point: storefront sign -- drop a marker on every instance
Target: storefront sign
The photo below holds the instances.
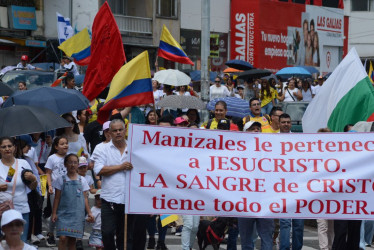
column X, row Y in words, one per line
column 22, row 17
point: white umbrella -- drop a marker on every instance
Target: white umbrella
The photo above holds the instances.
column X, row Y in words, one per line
column 172, row 77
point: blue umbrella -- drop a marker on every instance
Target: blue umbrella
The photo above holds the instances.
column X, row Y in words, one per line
column 239, row 64
column 235, row 106
column 196, row 75
column 311, row 69
column 56, row 99
column 289, row 72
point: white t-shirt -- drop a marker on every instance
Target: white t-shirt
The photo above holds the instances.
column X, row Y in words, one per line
column 74, row 147
column 218, row 92
column 32, row 154
column 4, row 246
column 96, row 213
column 157, row 94
column 45, row 153
column 307, row 95
column 56, row 164
column 28, row 66
column 288, row 97
column 89, row 179
column 59, row 183
column 72, row 68
column 20, row 194
column 316, row 89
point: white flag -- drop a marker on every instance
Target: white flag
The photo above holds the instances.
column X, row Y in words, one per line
column 64, row 29
column 345, row 98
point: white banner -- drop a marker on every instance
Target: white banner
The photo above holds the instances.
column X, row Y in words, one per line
column 212, row 172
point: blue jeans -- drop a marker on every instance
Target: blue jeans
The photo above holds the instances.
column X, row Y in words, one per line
column 233, row 233
column 161, row 231
column 366, row 233
column 189, row 230
column 297, row 234
column 25, row 227
column 267, row 108
column 265, row 228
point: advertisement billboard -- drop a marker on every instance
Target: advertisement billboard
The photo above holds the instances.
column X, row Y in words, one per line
column 274, row 35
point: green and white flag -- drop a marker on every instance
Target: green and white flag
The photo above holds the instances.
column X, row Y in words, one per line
column 346, row 97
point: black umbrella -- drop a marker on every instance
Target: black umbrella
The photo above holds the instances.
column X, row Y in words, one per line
column 253, row 74
column 20, row 120
column 57, row 99
column 239, row 64
column 5, row 90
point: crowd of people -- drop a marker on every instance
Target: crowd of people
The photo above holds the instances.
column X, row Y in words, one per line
column 88, row 157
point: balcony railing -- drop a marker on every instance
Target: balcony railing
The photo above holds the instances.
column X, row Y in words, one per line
column 142, row 25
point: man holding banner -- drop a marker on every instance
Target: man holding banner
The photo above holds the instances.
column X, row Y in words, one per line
column 112, row 164
column 285, row 224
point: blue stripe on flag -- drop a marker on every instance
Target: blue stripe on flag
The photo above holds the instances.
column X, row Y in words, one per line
column 82, row 54
column 171, row 49
column 136, row 87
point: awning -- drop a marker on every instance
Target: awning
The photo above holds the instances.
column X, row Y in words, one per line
column 6, row 41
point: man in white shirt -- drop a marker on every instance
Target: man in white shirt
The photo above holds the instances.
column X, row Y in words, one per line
column 24, row 65
column 68, row 64
column 112, row 164
column 317, row 88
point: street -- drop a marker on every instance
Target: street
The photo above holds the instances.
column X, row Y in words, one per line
column 174, row 242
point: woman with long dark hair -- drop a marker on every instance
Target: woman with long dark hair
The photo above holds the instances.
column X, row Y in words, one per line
column 76, row 141
column 267, row 96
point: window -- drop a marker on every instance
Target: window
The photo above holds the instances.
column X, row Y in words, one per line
column 166, row 8
column 118, row 6
column 362, row 5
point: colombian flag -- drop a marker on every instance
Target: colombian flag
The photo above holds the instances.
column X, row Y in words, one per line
column 167, row 219
column 371, row 73
column 171, row 49
column 131, row 86
column 78, row 47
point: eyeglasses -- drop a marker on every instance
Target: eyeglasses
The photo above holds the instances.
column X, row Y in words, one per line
column 256, row 104
column 6, row 146
column 217, row 81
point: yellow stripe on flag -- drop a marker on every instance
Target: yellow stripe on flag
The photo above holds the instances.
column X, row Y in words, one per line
column 169, row 219
column 168, row 38
column 76, row 43
column 371, row 72
column 136, row 69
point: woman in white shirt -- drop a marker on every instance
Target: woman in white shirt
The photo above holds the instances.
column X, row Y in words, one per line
column 10, row 173
column 290, row 92
column 218, row 90
column 77, row 143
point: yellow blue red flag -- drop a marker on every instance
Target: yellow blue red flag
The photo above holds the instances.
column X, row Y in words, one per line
column 371, row 73
column 78, row 47
column 168, row 218
column 131, row 86
column 170, row 49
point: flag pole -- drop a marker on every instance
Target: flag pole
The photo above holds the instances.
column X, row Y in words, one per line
column 125, row 231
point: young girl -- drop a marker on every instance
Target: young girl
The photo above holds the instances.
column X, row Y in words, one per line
column 54, row 169
column 82, row 171
column 68, row 207
column 95, row 239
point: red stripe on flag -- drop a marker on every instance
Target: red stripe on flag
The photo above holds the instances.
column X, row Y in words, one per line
column 128, row 101
column 174, row 58
column 371, row 118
